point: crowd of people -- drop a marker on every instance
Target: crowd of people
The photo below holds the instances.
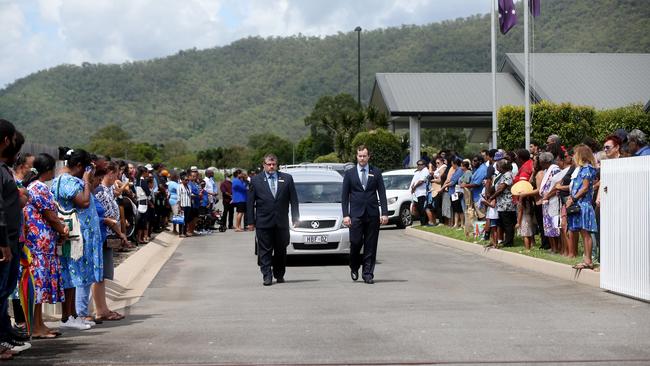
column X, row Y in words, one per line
column 549, row 190
column 68, row 221
column 63, row 223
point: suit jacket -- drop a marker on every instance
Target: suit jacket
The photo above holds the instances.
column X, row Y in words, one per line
column 265, row 211
column 356, row 201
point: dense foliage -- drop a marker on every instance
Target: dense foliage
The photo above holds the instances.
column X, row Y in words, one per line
column 384, row 147
column 572, row 123
column 223, row 95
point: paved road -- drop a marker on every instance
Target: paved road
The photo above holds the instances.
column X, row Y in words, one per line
column 430, row 304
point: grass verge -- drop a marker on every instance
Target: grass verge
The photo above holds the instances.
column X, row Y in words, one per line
column 518, row 247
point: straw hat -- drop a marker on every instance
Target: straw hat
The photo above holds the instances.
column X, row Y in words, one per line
column 521, row 187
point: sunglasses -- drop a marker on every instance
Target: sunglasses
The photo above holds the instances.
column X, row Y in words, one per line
column 607, row 147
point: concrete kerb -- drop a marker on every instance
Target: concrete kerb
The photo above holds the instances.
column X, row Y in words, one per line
column 559, row 270
column 133, row 276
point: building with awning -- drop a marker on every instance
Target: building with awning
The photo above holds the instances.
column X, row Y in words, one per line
column 464, row 100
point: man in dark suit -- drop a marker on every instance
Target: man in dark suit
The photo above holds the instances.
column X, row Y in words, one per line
column 361, row 186
column 270, row 194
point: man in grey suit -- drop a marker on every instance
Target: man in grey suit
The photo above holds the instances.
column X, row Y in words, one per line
column 363, row 187
column 270, row 194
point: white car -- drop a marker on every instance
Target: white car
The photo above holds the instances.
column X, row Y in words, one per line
column 320, row 229
column 399, row 196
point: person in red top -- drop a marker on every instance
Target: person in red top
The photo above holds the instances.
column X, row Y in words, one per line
column 525, row 164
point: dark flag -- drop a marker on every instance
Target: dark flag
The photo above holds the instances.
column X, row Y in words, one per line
column 535, row 7
column 507, row 15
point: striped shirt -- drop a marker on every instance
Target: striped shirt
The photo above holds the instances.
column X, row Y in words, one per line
column 184, row 198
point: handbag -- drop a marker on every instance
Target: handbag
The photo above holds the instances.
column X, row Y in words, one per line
column 178, row 220
column 142, row 199
column 113, row 242
column 574, row 209
column 73, row 247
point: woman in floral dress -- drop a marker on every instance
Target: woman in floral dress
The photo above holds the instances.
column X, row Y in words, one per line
column 42, row 230
column 72, row 190
column 582, row 192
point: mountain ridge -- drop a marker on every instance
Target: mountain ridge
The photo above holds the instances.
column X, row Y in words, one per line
column 220, row 96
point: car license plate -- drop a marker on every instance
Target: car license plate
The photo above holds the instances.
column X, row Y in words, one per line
column 315, row 239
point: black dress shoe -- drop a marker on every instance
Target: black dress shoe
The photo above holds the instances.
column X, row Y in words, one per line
column 268, row 281
column 280, row 280
column 369, row 280
column 354, row 274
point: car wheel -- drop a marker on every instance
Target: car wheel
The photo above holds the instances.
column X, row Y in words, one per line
column 405, row 218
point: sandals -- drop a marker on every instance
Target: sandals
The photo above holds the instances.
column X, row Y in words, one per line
column 583, row 265
column 112, row 316
column 46, row 336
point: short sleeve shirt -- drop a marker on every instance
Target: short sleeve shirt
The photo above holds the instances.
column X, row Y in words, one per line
column 504, row 200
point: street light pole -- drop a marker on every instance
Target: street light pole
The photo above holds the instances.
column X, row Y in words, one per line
column 358, row 30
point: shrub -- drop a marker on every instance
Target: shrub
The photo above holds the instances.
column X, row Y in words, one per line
column 629, row 118
column 572, row 123
column 384, row 147
column 329, row 158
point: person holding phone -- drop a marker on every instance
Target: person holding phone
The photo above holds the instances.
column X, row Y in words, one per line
column 72, row 190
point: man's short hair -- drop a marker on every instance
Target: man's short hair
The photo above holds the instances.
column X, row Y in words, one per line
column 637, row 136
column 271, row 157
column 492, row 152
column 7, row 129
column 363, row 147
column 535, row 143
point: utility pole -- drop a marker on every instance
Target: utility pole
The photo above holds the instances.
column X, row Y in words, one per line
column 358, row 30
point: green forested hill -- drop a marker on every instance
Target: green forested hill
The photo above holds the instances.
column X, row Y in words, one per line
column 220, row 96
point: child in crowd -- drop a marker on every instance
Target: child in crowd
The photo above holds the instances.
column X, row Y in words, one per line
column 492, row 216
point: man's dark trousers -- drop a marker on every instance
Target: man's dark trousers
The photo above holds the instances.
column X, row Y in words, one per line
column 8, row 280
column 364, row 233
column 422, row 212
column 272, row 251
column 228, row 213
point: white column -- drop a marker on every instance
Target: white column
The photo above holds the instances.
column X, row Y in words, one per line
column 526, row 77
column 495, row 125
column 414, row 132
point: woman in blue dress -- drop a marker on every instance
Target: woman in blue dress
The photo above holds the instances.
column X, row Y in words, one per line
column 72, row 190
column 582, row 192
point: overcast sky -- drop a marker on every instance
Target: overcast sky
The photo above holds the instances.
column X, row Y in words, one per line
column 38, row 34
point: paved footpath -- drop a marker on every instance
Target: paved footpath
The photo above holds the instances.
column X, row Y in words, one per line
column 430, row 304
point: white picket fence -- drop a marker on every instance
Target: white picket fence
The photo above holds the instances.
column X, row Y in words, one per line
column 625, row 226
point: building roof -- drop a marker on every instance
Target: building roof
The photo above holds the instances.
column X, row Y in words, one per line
column 428, row 94
column 601, row 80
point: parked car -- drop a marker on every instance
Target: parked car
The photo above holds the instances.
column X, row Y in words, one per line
column 320, row 229
column 399, row 196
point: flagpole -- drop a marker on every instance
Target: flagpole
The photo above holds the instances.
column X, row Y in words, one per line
column 494, row 75
column 526, row 76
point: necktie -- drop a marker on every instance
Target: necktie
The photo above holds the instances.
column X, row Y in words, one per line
column 273, row 186
column 364, row 178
